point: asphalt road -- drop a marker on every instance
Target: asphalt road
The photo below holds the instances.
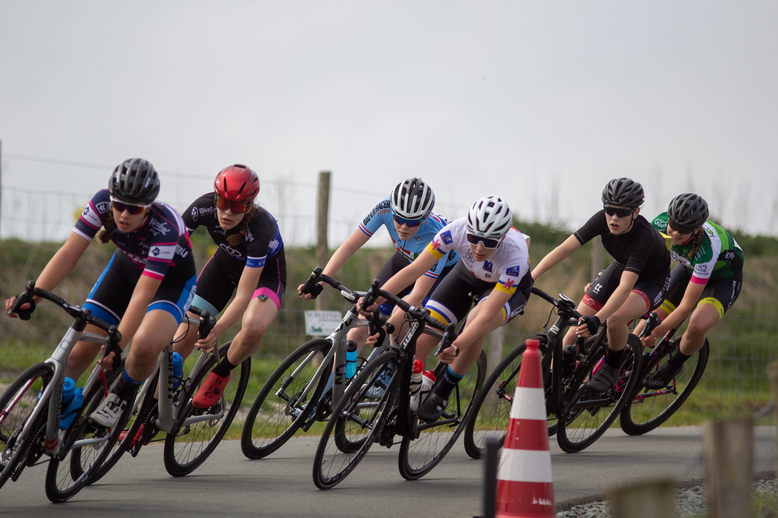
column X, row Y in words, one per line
column 229, row 485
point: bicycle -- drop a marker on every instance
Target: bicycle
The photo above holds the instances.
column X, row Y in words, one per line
column 281, row 407
column 647, row 408
column 376, row 406
column 30, row 410
column 576, row 415
column 192, row 434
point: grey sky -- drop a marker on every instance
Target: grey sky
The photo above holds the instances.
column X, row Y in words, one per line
column 520, row 99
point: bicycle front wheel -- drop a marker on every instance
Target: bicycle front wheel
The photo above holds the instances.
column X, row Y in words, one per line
column 419, row 455
column 647, row 408
column 279, row 409
column 356, row 420
column 588, row 415
column 188, row 445
column 16, row 406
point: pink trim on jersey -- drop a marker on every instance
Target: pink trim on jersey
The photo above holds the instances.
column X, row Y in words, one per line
column 697, row 280
column 270, row 294
column 85, row 221
column 153, row 275
column 592, row 303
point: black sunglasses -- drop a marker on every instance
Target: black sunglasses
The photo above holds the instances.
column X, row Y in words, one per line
column 613, row 211
column 132, row 208
column 488, row 243
column 679, row 228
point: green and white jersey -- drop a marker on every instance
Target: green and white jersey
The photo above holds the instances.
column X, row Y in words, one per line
column 718, row 256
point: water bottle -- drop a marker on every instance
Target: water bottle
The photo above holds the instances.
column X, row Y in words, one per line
column 178, row 370
column 351, row 358
column 416, row 378
column 427, row 380
column 72, row 399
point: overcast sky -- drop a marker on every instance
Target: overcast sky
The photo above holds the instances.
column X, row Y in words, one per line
column 540, row 102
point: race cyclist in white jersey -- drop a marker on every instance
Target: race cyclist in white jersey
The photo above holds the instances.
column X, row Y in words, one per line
column 494, row 264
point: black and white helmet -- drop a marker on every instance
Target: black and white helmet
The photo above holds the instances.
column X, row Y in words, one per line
column 490, row 218
column 134, row 181
column 623, row 192
column 688, row 210
column 412, row 199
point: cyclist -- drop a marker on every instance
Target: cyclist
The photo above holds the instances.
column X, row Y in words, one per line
column 632, row 285
column 147, row 286
column 407, row 215
column 249, row 261
column 495, row 265
column 704, row 284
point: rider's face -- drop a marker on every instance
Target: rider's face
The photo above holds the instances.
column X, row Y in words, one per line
column 228, row 220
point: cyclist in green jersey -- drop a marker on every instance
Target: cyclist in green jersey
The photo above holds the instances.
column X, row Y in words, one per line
column 704, row 284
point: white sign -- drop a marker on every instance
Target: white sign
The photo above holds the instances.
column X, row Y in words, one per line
column 321, row 323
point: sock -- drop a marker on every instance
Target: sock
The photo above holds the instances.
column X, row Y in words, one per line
column 126, row 386
column 677, row 359
column 447, row 384
column 224, row 368
column 613, row 358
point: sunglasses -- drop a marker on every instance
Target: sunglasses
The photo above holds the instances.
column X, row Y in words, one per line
column 488, row 243
column 410, row 222
column 132, row 208
column 613, row 211
column 679, row 228
column 237, row 207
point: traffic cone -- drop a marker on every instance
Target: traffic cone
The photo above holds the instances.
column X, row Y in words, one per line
column 524, row 486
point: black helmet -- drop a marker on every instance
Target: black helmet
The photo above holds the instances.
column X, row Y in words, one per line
column 623, row 192
column 412, row 199
column 688, row 211
column 134, row 181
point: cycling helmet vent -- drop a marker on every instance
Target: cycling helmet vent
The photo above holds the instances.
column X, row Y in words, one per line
column 490, row 217
column 134, row 181
column 412, row 199
column 688, row 210
column 623, row 192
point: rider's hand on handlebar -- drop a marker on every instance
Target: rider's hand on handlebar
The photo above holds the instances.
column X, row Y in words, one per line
column 207, row 344
column 317, row 289
column 366, row 312
column 448, row 354
column 588, row 326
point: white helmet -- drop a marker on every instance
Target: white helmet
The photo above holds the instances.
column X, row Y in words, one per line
column 412, row 199
column 490, row 218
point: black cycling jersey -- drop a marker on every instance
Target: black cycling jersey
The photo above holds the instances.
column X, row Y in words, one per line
column 262, row 238
column 641, row 250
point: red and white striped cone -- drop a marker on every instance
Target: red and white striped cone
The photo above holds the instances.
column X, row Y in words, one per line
column 524, row 485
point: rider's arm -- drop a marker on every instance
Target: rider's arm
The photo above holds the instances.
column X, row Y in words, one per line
column 555, row 256
column 619, row 296
column 63, row 262
column 684, row 309
column 243, row 295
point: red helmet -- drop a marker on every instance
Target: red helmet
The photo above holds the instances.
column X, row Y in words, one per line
column 237, row 183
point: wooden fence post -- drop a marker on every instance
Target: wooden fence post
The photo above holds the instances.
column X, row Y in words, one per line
column 322, row 217
column 772, row 375
column 653, row 499
column 729, row 466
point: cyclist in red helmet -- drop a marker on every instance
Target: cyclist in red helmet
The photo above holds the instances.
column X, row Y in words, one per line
column 249, row 261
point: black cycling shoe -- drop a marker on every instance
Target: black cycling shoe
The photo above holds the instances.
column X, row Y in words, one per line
column 431, row 410
column 662, row 377
column 604, row 379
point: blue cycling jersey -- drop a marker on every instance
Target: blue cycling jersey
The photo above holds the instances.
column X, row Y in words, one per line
column 382, row 215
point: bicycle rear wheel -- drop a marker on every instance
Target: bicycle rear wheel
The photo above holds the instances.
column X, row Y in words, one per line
column 356, row 420
column 419, row 455
column 647, row 408
column 588, row 415
column 279, row 409
column 187, row 446
column 16, row 406
column 68, row 473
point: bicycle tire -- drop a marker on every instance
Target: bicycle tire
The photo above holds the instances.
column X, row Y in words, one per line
column 492, row 408
column 419, row 455
column 647, row 409
column 135, row 417
column 187, row 447
column 276, row 414
column 16, row 406
column 67, row 475
column 585, row 421
column 335, row 459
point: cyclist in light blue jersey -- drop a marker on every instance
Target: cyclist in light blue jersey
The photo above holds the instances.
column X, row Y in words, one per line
column 407, row 214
